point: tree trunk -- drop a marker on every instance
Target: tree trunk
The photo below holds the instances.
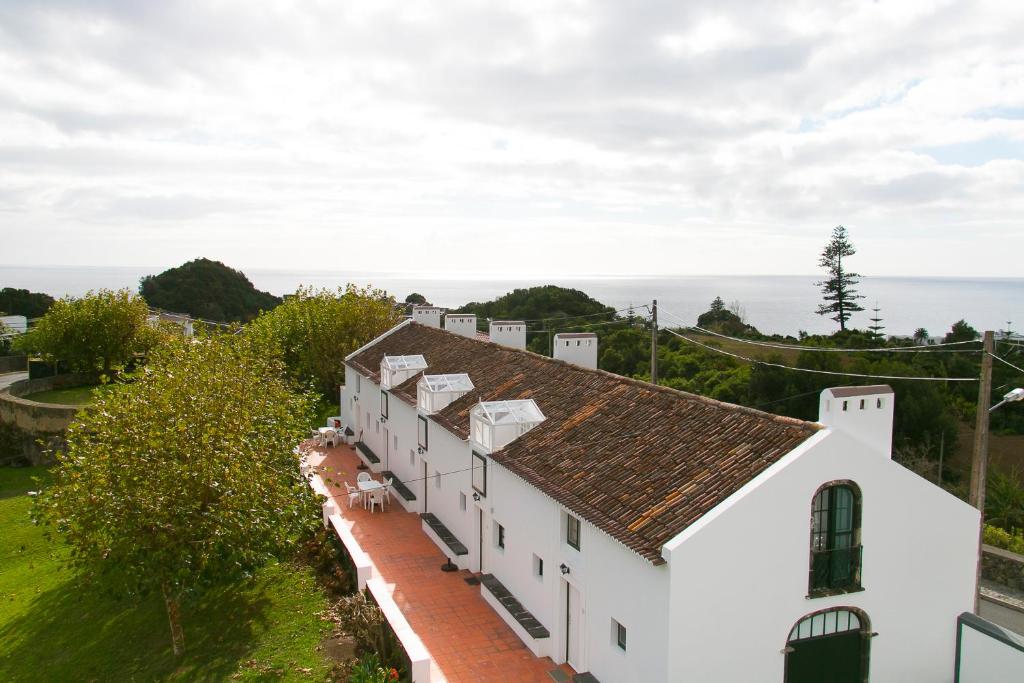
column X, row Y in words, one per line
column 174, row 616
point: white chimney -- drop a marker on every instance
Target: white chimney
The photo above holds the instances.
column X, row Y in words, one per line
column 509, row 333
column 578, row 348
column 864, row 413
column 427, row 315
column 461, row 323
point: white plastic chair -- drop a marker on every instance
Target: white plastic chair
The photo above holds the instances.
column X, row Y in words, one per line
column 331, row 436
column 353, row 494
column 363, row 476
column 317, row 438
column 376, row 497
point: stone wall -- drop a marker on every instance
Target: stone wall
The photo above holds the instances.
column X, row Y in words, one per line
column 13, row 364
column 27, row 423
column 1003, row 566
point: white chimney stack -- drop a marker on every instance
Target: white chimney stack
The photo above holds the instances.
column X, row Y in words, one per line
column 509, row 333
column 427, row 315
column 864, row 413
column 461, row 323
column 578, row 348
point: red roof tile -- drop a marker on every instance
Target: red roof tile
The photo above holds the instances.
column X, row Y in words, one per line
column 641, row 462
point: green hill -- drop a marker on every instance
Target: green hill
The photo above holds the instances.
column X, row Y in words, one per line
column 548, row 301
column 206, row 289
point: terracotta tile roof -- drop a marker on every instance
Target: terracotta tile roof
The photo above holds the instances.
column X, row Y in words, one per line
column 640, row 462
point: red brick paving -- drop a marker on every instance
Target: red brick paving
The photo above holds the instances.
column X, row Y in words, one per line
column 466, row 639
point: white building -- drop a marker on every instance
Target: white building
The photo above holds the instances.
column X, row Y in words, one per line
column 427, row 315
column 509, row 333
column 579, row 348
column 644, row 534
column 461, row 323
column 13, row 324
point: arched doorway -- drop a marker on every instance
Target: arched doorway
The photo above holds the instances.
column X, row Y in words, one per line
column 829, row 647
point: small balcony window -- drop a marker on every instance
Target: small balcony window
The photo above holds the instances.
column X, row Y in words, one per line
column 421, row 434
column 479, row 474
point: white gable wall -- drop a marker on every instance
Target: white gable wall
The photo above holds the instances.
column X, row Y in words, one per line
column 739, row 578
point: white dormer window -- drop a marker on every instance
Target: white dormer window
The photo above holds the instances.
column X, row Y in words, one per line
column 437, row 392
column 495, row 424
column 396, row 369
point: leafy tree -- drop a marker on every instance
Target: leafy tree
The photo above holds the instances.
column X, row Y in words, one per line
column 1004, row 500
column 313, row 331
column 838, row 289
column 99, row 330
column 724, row 320
column 416, row 299
column 184, row 478
column 921, row 335
column 207, row 289
column 23, row 302
column 961, row 331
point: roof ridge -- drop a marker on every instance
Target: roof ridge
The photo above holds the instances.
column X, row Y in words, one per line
column 782, row 419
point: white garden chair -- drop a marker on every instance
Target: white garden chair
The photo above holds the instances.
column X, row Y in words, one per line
column 376, row 497
column 353, row 494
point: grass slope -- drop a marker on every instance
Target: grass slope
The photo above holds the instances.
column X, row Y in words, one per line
column 72, row 396
column 54, row 628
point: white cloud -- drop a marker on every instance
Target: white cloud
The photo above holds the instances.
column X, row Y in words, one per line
column 588, row 137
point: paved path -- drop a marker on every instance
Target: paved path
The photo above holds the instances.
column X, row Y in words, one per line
column 1002, row 605
column 466, row 639
column 9, row 378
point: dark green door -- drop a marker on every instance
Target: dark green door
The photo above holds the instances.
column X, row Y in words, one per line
column 835, row 658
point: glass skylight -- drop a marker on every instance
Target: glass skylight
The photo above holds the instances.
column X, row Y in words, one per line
column 397, row 363
column 510, row 412
column 444, row 383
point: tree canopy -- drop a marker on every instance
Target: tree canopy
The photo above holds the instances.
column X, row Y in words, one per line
column 720, row 319
column 207, row 289
column 185, row 477
column 23, row 302
column 102, row 329
column 549, row 302
column 314, row 330
column 960, row 332
column 838, row 288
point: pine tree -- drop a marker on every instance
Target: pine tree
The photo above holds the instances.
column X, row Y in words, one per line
column 838, row 290
column 876, row 325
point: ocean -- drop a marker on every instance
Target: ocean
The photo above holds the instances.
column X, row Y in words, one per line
column 782, row 304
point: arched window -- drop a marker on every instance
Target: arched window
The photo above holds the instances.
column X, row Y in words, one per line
column 831, row 645
column 835, row 539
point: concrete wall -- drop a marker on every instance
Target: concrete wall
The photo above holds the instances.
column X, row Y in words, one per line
column 986, row 652
column 39, row 421
column 740, row 575
column 1003, row 566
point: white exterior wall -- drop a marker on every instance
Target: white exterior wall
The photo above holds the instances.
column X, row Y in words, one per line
column 427, row 315
column 868, row 418
column 739, row 576
column 614, row 582
column 578, row 351
column 464, row 325
column 508, row 333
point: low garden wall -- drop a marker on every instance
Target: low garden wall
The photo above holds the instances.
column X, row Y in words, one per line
column 13, row 364
column 1003, row 566
column 25, row 423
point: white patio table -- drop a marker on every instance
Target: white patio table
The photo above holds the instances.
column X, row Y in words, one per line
column 366, row 487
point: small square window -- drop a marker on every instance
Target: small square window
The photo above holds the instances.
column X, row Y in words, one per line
column 437, row 479
column 862, row 404
column 462, row 501
column 479, row 474
column 879, row 403
column 384, row 404
column 538, row 567
column 412, row 457
column 845, row 403
column 619, row 633
column 572, row 531
column 500, row 536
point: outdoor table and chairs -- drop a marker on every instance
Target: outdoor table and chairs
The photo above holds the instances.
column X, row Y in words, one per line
column 374, row 493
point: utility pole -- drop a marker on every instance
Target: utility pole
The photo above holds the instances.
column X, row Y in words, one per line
column 654, row 342
column 979, row 465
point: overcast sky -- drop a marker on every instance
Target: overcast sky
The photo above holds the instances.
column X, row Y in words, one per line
column 587, row 137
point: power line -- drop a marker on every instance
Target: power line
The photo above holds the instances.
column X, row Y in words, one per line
column 800, row 347
column 1006, row 362
column 821, row 372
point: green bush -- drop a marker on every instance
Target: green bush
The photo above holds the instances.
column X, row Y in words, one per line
column 1012, row 540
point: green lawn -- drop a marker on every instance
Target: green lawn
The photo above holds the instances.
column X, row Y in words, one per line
column 74, row 396
column 52, row 628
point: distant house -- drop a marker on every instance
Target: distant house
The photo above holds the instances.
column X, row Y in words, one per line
column 183, row 321
column 13, row 324
column 644, row 534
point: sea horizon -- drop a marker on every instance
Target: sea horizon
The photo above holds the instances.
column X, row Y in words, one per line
column 782, row 303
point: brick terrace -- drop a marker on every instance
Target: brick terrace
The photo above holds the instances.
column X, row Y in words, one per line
column 466, row 639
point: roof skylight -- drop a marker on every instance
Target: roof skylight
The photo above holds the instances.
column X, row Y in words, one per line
column 510, row 412
column 404, row 362
column 445, row 383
